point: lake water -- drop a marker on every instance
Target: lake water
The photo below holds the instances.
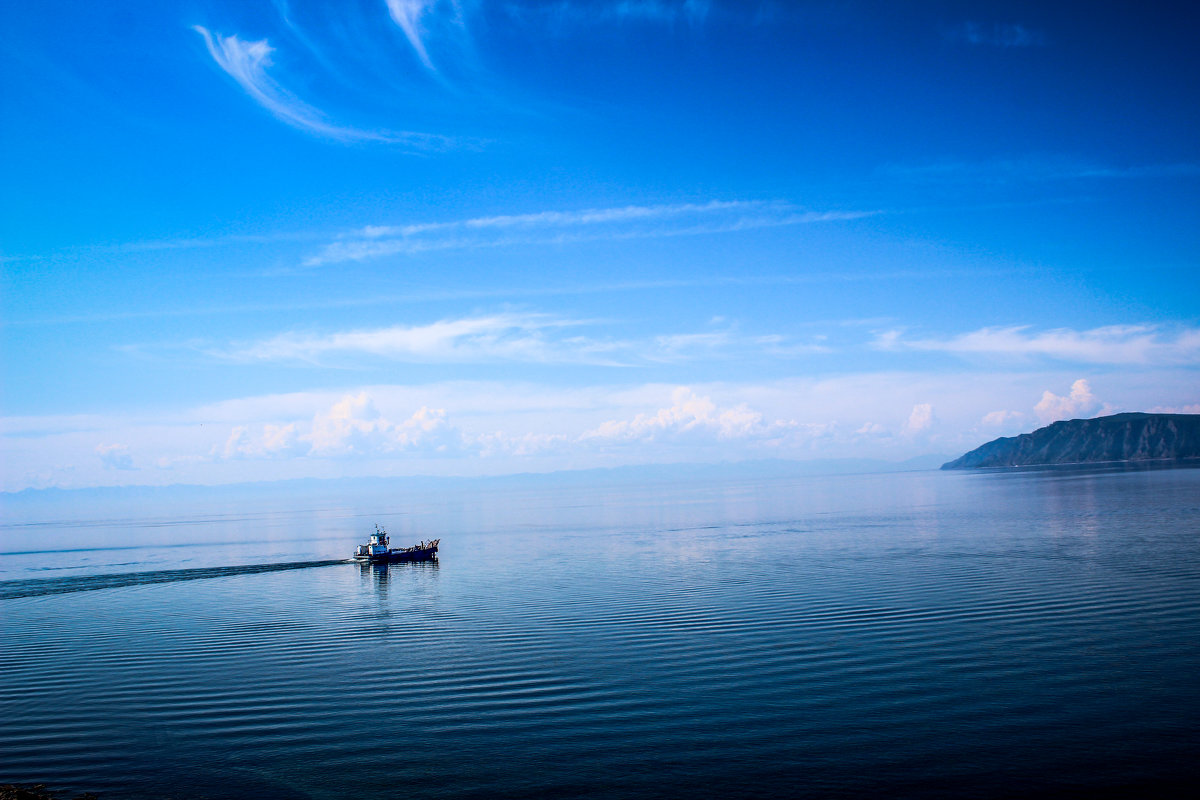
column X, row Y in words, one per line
column 920, row 634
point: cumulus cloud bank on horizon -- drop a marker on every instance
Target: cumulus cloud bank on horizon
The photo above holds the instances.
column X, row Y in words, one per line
column 354, row 426
column 484, row 428
column 691, row 416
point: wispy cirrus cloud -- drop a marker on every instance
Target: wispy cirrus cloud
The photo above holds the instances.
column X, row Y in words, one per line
column 1112, row 344
column 549, row 227
column 523, row 337
column 1033, row 169
column 442, row 23
column 519, row 337
column 407, row 15
column 692, row 11
column 576, row 12
column 671, row 347
column 994, row 34
column 677, row 347
column 247, row 62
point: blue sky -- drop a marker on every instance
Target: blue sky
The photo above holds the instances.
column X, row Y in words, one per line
column 248, row 241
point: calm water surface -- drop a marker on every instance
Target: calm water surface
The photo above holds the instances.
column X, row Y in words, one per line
column 923, row 634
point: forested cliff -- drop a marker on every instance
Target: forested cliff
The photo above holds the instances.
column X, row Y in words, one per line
column 1120, row 437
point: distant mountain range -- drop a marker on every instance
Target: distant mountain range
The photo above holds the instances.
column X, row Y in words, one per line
column 323, row 492
column 1120, row 437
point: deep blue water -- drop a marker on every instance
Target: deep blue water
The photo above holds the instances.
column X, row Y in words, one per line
column 921, row 634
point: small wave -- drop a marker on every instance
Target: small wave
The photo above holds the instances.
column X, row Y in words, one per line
column 36, row 587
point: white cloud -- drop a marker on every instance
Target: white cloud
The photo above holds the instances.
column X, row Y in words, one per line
column 497, row 427
column 1190, row 408
column 999, row 418
column 175, row 462
column 871, row 429
column 273, row 441
column 691, row 416
column 500, row 444
column 1079, row 403
column 239, row 443
column 920, row 420
column 659, row 12
column 727, row 342
column 694, row 11
column 505, row 336
column 889, row 340
column 407, row 15
column 682, row 345
column 1033, row 169
column 247, row 62
column 1113, row 344
column 115, row 456
column 524, row 337
column 556, row 227
column 353, row 426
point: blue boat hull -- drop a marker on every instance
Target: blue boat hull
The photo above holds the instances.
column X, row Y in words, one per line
column 394, row 556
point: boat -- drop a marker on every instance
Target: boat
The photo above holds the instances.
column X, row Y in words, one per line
column 377, row 551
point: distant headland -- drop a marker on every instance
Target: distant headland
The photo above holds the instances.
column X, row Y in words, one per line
column 1119, row 437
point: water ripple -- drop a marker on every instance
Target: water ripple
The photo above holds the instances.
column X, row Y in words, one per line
column 85, row 583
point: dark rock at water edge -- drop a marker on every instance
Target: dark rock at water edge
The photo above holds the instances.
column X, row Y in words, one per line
column 1120, row 437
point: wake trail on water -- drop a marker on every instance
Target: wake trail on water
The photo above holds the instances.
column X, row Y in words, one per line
column 36, row 587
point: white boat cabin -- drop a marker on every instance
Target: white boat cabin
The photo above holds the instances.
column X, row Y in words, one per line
column 377, row 545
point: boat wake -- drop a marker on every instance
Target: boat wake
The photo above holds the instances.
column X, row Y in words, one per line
column 36, row 587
